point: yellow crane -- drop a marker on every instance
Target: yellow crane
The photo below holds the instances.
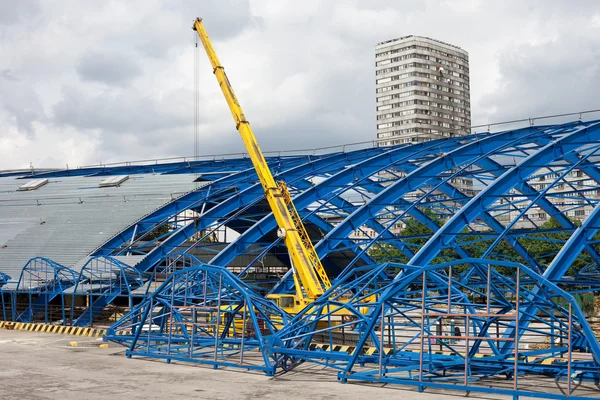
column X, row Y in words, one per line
column 310, row 278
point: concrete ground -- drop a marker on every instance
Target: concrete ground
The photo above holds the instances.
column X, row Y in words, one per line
column 44, row 366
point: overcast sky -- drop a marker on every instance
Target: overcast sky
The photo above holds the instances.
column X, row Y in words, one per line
column 84, row 82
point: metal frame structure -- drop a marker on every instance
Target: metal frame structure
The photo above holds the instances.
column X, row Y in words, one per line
column 42, row 281
column 526, row 196
column 425, row 329
column 4, row 279
column 203, row 314
column 100, row 281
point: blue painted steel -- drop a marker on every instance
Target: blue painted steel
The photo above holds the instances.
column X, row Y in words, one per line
column 100, row 281
column 428, row 207
column 41, row 282
column 248, row 192
column 203, row 314
column 4, row 279
column 322, row 191
column 579, row 137
column 399, row 330
column 472, row 150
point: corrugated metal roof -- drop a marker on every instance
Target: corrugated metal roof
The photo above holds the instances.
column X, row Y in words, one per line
column 70, row 217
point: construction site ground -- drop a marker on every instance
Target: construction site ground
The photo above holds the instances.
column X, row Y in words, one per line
column 46, row 366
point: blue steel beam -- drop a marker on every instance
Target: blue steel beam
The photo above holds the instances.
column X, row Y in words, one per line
column 323, row 191
column 250, row 195
column 538, row 198
column 191, row 200
column 187, row 167
column 560, row 265
column 410, row 183
column 556, row 149
column 468, row 152
column 456, row 195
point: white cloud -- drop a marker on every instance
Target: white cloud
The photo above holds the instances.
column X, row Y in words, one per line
column 82, row 82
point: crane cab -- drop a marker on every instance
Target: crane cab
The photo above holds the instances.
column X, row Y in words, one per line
column 287, row 302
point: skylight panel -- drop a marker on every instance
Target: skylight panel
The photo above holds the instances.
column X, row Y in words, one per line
column 33, row 185
column 114, row 181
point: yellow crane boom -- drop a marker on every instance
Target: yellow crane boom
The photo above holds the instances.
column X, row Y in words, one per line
column 307, row 268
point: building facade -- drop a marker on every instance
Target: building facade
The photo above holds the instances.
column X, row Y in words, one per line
column 422, row 90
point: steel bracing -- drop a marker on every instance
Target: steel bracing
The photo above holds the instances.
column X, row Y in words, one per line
column 415, row 325
column 42, row 281
column 100, row 281
column 4, row 279
column 203, row 314
column 521, row 204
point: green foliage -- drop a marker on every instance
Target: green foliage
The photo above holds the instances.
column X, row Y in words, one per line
column 414, row 235
column 159, row 231
column 542, row 246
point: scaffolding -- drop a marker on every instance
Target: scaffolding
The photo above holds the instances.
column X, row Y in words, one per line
column 202, row 314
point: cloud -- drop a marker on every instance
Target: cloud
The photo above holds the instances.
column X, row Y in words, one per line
column 110, row 81
column 20, row 101
column 12, row 12
column 547, row 78
column 108, row 67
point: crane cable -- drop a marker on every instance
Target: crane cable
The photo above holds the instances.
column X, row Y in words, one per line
column 196, row 104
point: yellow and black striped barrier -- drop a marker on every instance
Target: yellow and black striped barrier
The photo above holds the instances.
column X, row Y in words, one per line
column 56, row 329
column 372, row 350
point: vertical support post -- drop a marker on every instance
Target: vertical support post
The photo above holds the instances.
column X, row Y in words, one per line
column 194, row 316
column 516, row 341
column 331, row 334
column 187, row 285
column 467, row 334
column 13, row 304
column 149, row 325
column 205, row 279
column 440, row 332
column 72, row 313
column 381, row 339
column 497, row 334
column 218, row 326
column 570, row 351
column 449, row 289
column 391, row 326
column 489, row 273
column 243, row 334
column 170, row 334
column 46, row 320
column 424, row 284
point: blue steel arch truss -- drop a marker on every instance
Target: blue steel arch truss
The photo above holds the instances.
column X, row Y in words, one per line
column 203, row 314
column 41, row 282
column 356, row 203
column 422, row 328
column 493, row 196
column 100, row 281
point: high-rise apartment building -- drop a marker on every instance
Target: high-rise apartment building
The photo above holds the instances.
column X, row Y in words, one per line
column 422, row 89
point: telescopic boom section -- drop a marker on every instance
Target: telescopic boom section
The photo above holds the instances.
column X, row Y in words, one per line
column 305, row 262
